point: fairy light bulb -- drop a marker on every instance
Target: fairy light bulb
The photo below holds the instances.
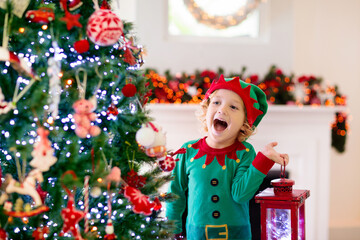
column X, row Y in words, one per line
column 69, row 81
column 50, row 120
column 21, row 30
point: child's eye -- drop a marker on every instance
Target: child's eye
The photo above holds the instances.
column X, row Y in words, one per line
column 216, row 102
column 234, row 107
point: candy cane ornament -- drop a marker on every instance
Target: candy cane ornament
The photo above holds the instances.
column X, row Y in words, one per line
column 86, row 203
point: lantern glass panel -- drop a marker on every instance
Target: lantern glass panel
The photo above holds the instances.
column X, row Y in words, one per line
column 278, row 224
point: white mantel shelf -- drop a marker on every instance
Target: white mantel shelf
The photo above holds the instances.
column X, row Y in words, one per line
column 302, row 132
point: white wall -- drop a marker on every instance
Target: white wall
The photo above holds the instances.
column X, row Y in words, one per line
column 320, row 37
column 327, row 41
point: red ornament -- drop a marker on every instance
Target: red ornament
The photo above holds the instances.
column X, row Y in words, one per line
column 112, row 110
column 129, row 90
column 82, row 46
column 71, row 218
column 110, row 237
column 158, row 205
column 43, row 15
column 104, row 27
column 105, row 5
column 41, row 193
column 3, row 234
column 134, row 180
column 109, row 229
column 74, row 4
column 129, row 57
column 141, row 203
column 167, row 164
column 38, row 234
column 71, row 20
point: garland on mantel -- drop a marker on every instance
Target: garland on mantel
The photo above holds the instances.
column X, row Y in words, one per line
column 279, row 88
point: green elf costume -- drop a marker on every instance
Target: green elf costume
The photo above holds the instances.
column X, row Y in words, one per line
column 220, row 182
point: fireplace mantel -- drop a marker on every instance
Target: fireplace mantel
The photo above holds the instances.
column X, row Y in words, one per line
column 302, row 132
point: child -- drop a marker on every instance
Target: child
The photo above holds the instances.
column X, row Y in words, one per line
column 222, row 172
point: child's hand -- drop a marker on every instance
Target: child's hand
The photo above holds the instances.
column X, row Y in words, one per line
column 280, row 158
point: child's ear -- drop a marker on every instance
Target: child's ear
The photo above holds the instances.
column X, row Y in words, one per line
column 243, row 128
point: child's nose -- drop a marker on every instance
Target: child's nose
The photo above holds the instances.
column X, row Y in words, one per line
column 222, row 110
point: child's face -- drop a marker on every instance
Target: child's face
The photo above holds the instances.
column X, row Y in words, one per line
column 225, row 117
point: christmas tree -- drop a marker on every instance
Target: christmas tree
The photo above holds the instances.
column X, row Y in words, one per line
column 72, row 119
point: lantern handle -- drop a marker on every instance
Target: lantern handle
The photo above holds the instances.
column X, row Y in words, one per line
column 282, row 169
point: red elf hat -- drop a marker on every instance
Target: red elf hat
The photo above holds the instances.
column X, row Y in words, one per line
column 253, row 97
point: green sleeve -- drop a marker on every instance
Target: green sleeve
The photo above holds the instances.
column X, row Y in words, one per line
column 247, row 178
column 178, row 186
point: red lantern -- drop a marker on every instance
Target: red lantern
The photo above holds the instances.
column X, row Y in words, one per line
column 282, row 211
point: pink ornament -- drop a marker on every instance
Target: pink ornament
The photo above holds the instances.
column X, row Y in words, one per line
column 115, row 175
column 104, row 27
column 83, row 116
column 44, row 144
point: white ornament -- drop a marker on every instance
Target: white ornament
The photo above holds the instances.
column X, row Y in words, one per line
column 104, row 27
column 109, row 229
column 43, row 160
column 95, row 192
column 43, row 153
column 145, row 136
column 54, row 68
column 152, row 139
column 19, row 64
column 27, row 187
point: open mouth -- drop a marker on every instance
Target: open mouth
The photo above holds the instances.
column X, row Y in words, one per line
column 220, row 125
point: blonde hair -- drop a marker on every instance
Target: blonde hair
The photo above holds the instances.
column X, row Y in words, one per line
column 244, row 133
